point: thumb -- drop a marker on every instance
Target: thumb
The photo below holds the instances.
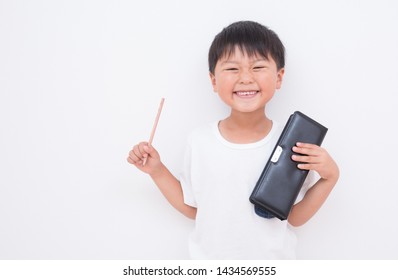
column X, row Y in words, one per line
column 151, row 151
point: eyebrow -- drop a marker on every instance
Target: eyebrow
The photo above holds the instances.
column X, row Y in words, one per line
column 235, row 62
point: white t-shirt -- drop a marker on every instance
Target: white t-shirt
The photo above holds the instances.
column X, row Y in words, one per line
column 218, row 177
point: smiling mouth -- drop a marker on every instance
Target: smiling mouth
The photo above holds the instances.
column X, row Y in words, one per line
column 246, row 94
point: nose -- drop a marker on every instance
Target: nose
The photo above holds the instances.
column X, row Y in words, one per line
column 245, row 77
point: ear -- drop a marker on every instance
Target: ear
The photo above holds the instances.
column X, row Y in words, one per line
column 213, row 81
column 279, row 78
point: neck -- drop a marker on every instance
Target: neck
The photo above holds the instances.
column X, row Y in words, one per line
column 248, row 121
column 245, row 127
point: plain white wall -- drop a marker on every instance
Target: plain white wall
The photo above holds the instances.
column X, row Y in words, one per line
column 80, row 83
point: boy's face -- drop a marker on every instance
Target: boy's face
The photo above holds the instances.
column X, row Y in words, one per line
column 244, row 83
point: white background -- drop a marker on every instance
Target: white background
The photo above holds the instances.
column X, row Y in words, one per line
column 80, row 83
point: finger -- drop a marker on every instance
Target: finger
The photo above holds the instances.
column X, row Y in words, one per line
column 312, row 150
column 135, row 154
column 306, row 166
column 305, row 159
column 134, row 162
column 139, row 150
column 133, row 158
column 151, row 151
column 306, row 145
column 146, row 149
column 143, row 147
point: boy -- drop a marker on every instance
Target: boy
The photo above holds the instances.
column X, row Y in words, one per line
column 224, row 159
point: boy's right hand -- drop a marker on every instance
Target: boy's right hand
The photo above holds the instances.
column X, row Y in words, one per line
column 140, row 152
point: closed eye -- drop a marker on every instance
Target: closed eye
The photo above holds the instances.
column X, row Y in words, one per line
column 231, row 69
column 259, row 67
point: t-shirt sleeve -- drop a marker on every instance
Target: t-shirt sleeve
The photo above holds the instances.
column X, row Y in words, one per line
column 308, row 183
column 185, row 177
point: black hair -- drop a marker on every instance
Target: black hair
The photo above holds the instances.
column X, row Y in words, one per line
column 252, row 38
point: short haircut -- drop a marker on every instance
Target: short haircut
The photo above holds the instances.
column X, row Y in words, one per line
column 252, row 38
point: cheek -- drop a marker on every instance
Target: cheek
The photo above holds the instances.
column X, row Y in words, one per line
column 224, row 82
column 268, row 82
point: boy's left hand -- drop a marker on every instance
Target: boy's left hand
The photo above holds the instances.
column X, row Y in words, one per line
column 314, row 157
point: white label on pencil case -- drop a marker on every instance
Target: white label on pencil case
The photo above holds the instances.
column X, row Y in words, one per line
column 277, row 154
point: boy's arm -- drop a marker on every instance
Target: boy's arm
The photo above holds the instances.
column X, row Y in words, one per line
column 317, row 159
column 311, row 203
column 166, row 182
column 172, row 190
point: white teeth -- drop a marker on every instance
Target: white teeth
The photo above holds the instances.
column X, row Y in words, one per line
column 245, row 93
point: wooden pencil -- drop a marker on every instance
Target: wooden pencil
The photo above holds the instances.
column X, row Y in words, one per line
column 154, row 127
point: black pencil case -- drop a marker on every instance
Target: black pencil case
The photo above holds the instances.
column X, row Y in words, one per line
column 281, row 180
